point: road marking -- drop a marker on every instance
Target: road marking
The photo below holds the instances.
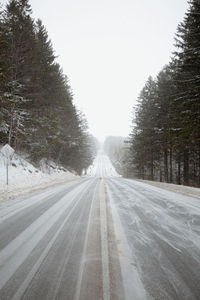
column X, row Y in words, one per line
column 12, row 207
column 15, row 253
column 132, row 283
column 18, row 295
column 81, row 270
column 104, row 243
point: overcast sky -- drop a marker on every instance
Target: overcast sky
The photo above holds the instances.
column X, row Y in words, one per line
column 108, row 48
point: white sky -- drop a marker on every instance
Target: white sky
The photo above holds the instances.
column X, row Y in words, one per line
column 108, row 48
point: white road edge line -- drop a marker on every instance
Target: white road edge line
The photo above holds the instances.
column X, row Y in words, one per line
column 132, row 283
column 15, row 253
column 15, row 206
column 18, row 295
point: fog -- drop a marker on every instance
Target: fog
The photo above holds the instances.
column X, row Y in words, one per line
column 108, row 49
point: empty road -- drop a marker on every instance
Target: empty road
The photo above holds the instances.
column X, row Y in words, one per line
column 100, row 237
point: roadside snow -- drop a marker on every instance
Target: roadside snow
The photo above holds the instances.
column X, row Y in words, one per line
column 24, row 177
column 181, row 189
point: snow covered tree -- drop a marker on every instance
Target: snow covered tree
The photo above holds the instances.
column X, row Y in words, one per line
column 37, row 113
column 3, row 79
column 19, row 36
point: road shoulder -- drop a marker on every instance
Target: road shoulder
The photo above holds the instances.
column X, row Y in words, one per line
column 180, row 189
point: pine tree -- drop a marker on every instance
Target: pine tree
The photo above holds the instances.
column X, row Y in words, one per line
column 165, row 117
column 143, row 139
column 3, row 81
column 19, row 31
column 187, row 77
column 167, row 121
column 37, row 112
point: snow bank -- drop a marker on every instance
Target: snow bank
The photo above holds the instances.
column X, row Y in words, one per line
column 181, row 189
column 24, row 177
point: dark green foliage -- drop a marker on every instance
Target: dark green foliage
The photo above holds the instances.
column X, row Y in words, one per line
column 37, row 113
column 165, row 141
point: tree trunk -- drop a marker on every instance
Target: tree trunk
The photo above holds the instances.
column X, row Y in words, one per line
column 10, row 134
column 142, row 173
column 199, row 168
column 170, row 166
column 160, row 169
column 160, row 174
column 152, row 169
column 186, row 167
column 166, row 165
column 179, row 169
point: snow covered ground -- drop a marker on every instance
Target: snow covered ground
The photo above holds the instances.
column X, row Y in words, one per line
column 24, row 177
column 102, row 167
column 157, row 232
column 181, row 189
column 162, row 231
column 122, row 238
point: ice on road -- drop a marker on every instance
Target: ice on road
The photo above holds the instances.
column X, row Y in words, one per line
column 100, row 237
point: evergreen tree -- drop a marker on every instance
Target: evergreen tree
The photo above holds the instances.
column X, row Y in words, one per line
column 143, row 142
column 37, row 112
column 3, row 80
column 187, row 78
column 19, row 31
column 164, row 114
column 165, row 141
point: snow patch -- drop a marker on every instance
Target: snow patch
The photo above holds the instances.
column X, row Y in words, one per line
column 7, row 151
column 24, row 177
column 181, row 189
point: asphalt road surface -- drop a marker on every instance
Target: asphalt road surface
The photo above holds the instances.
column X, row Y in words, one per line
column 100, row 237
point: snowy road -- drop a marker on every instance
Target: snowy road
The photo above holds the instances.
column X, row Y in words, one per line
column 162, row 230
column 101, row 237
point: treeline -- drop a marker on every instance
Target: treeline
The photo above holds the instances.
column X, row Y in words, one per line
column 37, row 114
column 165, row 139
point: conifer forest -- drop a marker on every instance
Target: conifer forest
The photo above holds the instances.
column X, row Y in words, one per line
column 165, row 137
column 100, row 168
column 37, row 114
